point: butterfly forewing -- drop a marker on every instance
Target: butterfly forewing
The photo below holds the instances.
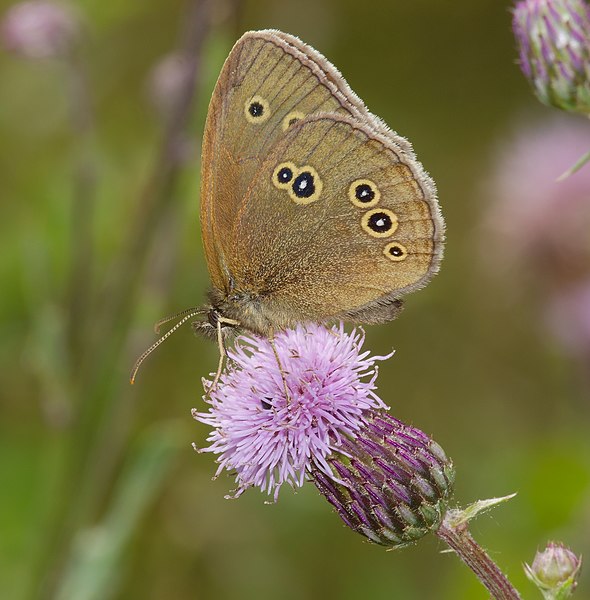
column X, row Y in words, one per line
column 265, row 86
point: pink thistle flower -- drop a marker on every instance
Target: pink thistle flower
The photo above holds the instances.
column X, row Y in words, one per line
column 267, row 439
column 39, row 29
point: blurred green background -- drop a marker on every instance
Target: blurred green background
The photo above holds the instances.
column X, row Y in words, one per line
column 102, row 495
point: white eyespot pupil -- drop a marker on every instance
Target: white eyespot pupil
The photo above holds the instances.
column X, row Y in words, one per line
column 285, row 175
column 364, row 193
column 380, row 222
column 256, row 109
column 303, row 186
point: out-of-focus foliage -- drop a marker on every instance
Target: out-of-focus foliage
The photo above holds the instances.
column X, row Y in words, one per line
column 475, row 365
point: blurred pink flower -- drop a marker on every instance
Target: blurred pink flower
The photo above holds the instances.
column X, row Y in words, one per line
column 39, row 29
column 568, row 317
column 167, row 81
column 538, row 223
column 538, row 228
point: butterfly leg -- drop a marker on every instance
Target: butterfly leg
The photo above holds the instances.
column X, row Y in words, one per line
column 222, row 352
column 281, row 370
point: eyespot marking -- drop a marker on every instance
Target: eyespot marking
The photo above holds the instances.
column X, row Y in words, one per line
column 303, row 186
column 395, row 251
column 283, row 175
column 364, row 193
column 379, row 222
column 306, row 186
column 291, row 118
column 257, row 109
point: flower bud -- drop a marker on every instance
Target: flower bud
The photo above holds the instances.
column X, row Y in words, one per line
column 555, row 571
column 390, row 482
column 553, row 38
column 39, row 29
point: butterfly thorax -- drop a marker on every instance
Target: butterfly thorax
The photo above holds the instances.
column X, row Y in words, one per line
column 246, row 311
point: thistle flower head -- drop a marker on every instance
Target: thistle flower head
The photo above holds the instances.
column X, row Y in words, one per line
column 268, row 439
column 39, row 29
column 392, row 482
column 555, row 571
column 553, row 38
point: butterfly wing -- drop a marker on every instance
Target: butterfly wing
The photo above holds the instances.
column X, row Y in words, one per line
column 268, row 82
column 338, row 221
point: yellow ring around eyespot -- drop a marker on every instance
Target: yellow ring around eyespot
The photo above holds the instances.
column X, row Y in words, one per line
column 352, row 193
column 295, row 115
column 387, row 251
column 379, row 234
column 275, row 175
column 317, row 182
column 265, row 109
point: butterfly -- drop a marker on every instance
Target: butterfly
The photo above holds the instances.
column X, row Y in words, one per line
column 312, row 209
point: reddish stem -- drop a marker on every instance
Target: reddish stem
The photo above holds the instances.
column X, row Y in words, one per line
column 458, row 538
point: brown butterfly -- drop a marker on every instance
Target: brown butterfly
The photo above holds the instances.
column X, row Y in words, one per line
column 312, row 209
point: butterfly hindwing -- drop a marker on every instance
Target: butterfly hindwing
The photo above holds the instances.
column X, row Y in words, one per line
column 369, row 230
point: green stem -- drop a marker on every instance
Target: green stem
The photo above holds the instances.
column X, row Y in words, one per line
column 80, row 286
column 98, row 396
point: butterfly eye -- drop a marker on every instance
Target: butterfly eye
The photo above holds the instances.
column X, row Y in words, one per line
column 283, row 175
column 364, row 193
column 306, row 187
column 395, row 251
column 257, row 109
column 291, row 118
column 379, row 222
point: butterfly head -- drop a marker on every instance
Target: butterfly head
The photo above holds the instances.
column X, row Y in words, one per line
column 215, row 322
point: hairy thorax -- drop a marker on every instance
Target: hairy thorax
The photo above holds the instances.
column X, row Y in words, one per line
column 246, row 311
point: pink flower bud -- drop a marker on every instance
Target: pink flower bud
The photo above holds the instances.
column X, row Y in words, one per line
column 555, row 570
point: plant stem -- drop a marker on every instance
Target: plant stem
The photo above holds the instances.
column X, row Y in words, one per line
column 98, row 398
column 80, row 283
column 458, row 538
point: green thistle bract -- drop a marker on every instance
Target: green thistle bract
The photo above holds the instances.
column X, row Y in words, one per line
column 390, row 483
column 553, row 38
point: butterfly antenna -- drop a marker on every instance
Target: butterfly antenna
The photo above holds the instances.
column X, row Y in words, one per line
column 192, row 311
column 188, row 314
